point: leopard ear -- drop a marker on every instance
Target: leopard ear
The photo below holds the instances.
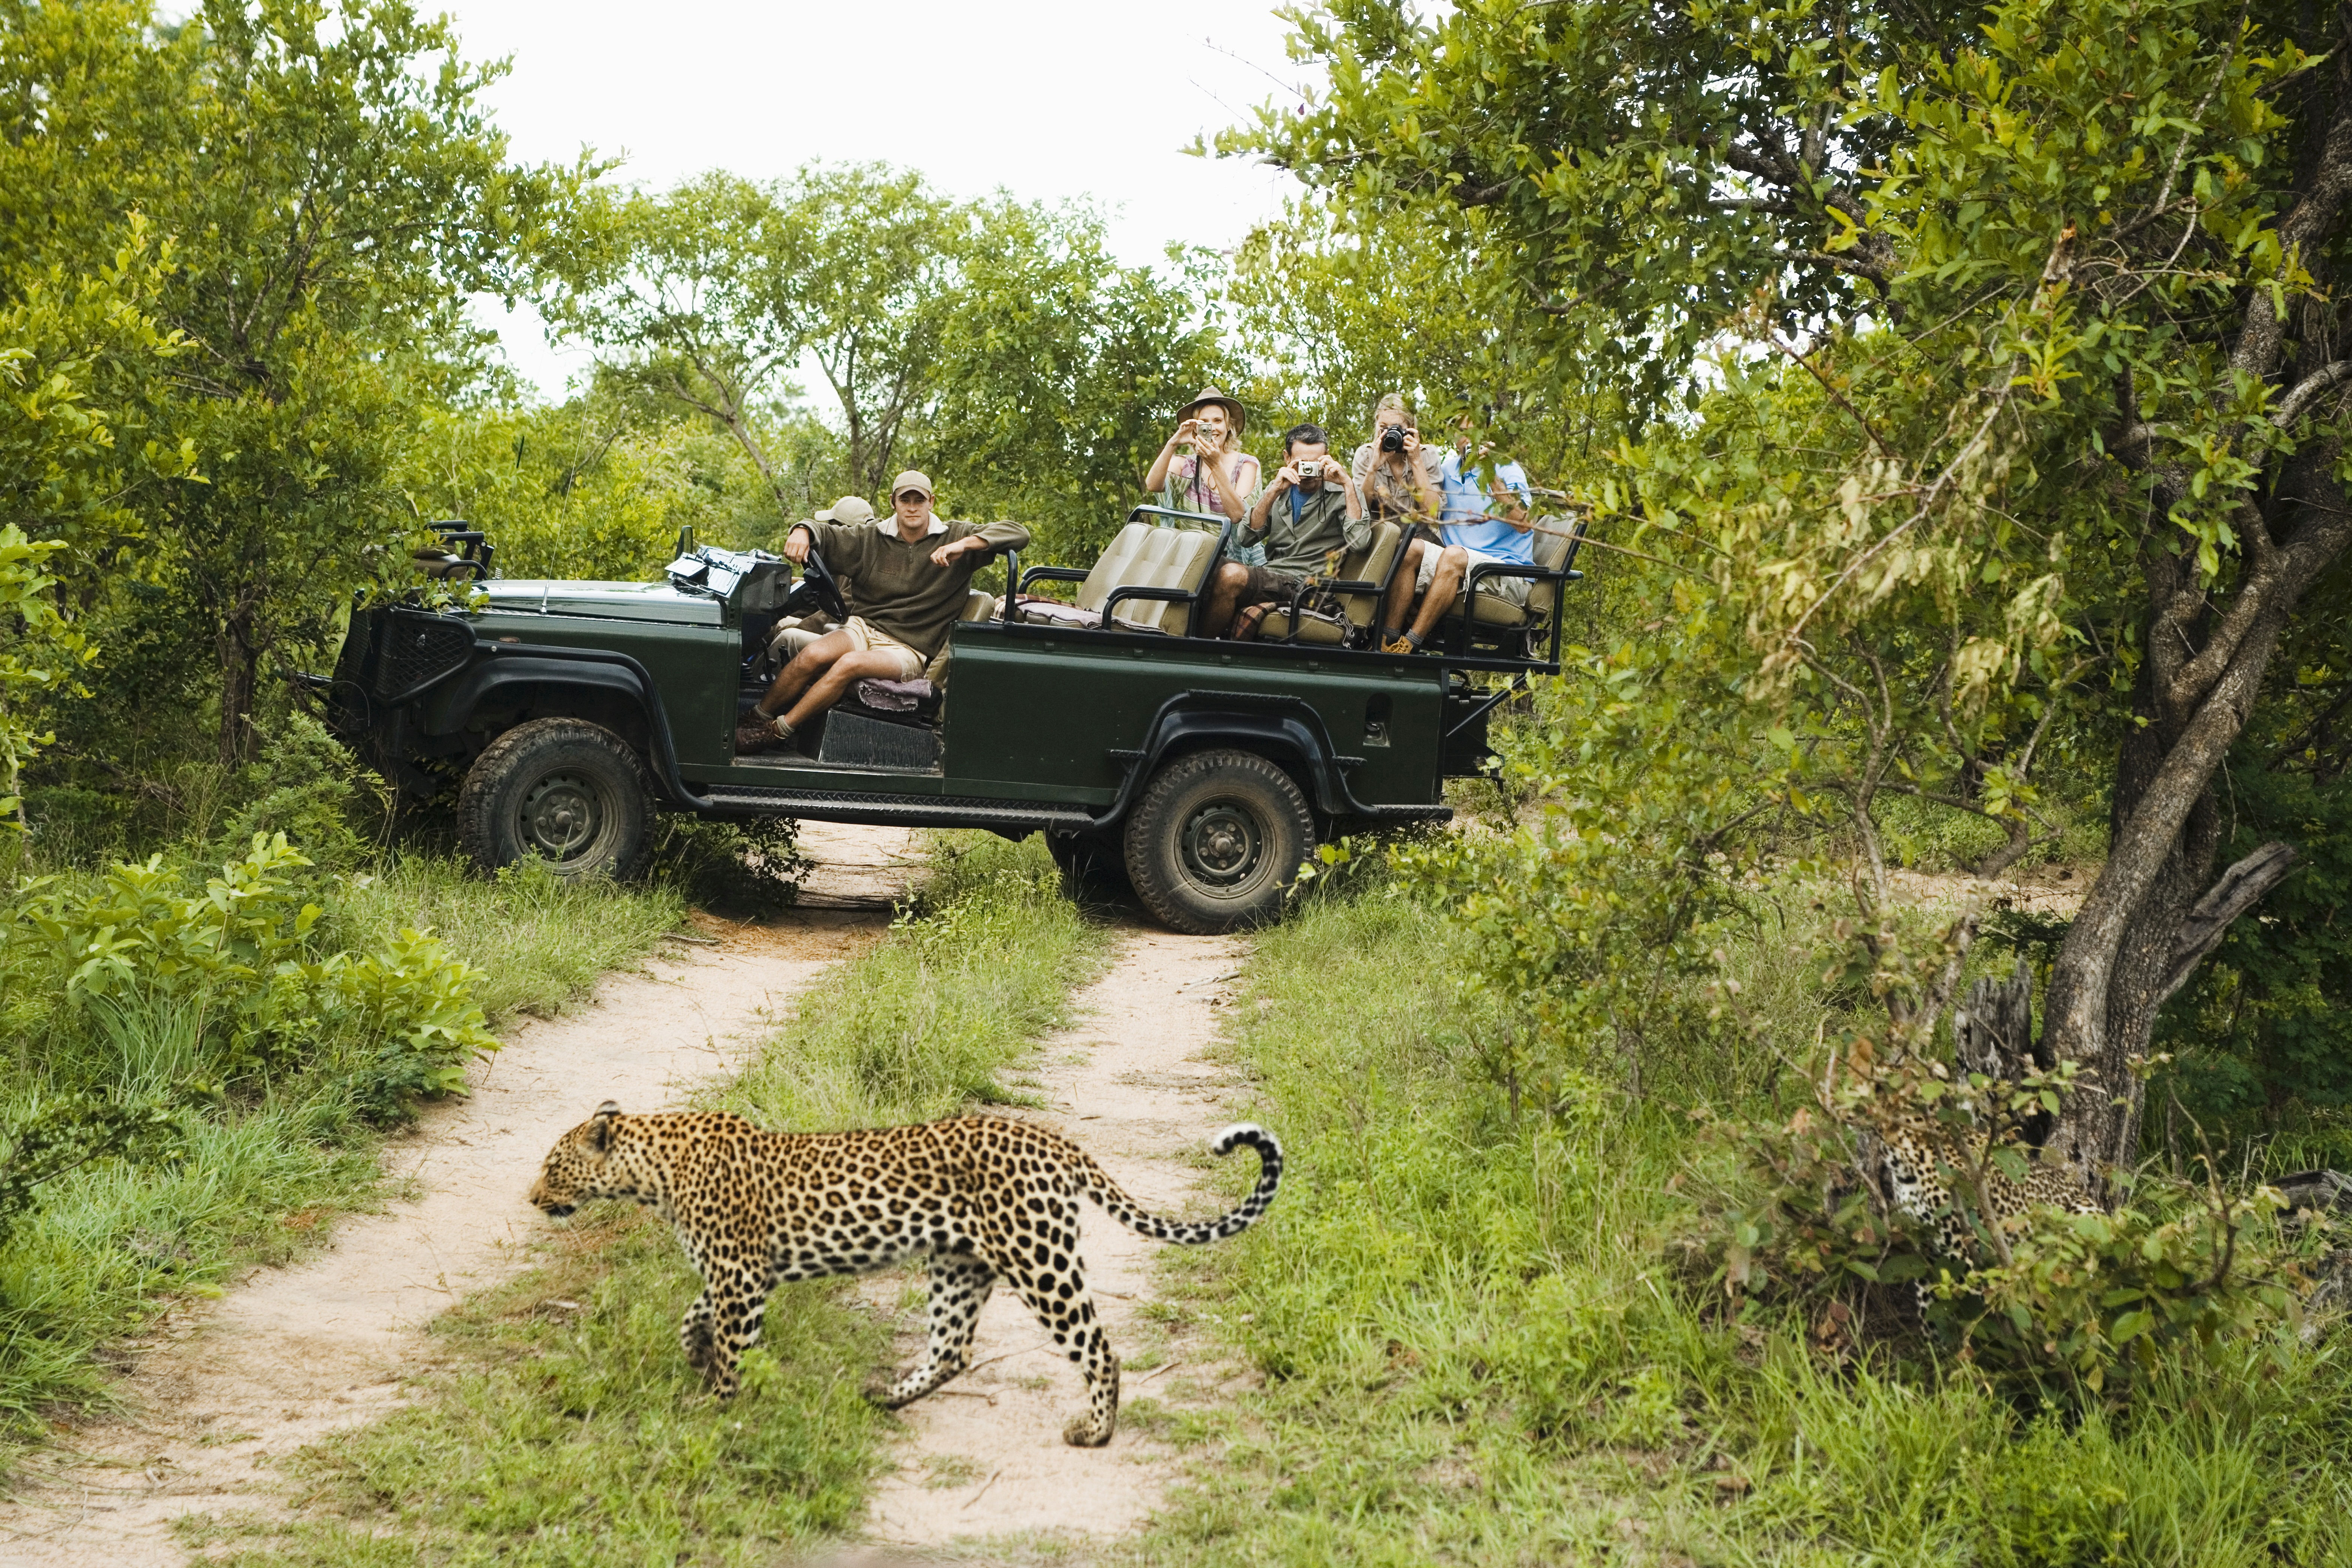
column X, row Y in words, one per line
column 600, row 1126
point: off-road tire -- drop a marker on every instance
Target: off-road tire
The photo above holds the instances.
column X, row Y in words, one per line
column 1094, row 870
column 1216, row 841
column 570, row 792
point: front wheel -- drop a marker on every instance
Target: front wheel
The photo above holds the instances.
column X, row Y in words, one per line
column 567, row 790
column 1216, row 840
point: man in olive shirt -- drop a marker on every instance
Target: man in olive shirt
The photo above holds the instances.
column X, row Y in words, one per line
column 913, row 571
column 1305, row 512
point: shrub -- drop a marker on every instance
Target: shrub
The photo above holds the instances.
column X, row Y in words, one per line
column 234, row 970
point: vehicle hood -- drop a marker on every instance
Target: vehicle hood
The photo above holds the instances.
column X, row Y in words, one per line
column 611, row 601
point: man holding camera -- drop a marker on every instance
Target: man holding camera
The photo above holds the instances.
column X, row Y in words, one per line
column 1311, row 507
column 1472, row 491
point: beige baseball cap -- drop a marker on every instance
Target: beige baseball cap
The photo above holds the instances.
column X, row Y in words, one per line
column 912, row 480
column 848, row 509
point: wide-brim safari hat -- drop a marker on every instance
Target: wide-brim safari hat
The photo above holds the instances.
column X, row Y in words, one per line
column 1235, row 414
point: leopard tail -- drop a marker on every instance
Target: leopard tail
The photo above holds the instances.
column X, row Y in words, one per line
column 1128, row 1212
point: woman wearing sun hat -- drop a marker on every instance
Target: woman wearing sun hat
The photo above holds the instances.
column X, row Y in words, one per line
column 1212, row 424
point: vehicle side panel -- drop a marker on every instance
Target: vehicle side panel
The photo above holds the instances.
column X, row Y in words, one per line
column 1039, row 715
column 693, row 670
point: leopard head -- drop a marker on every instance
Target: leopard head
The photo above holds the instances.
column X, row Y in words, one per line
column 594, row 1159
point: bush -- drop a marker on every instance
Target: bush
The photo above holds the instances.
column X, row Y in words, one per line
column 235, row 973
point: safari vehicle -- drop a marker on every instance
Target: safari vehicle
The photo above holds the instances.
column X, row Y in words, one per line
column 1201, row 773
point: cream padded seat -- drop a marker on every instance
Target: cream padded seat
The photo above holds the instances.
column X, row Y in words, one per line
column 977, row 607
column 1138, row 556
column 1554, row 543
column 1371, row 565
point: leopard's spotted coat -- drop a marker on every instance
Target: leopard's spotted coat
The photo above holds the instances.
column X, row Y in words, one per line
column 984, row 1198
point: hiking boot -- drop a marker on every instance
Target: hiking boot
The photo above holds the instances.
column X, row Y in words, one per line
column 755, row 733
column 1399, row 645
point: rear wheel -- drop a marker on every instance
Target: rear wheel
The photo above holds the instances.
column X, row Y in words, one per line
column 567, row 790
column 1216, row 840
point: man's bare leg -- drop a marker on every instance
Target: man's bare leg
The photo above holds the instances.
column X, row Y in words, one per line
column 834, row 685
column 1443, row 583
column 802, row 670
column 1224, row 595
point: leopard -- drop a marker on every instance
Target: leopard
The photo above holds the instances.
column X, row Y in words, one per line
column 1918, row 1156
column 982, row 1199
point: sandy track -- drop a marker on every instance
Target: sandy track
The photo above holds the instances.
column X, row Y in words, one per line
column 219, row 1395
column 984, row 1457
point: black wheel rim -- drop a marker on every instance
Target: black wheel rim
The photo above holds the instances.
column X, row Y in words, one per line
column 563, row 815
column 1222, row 844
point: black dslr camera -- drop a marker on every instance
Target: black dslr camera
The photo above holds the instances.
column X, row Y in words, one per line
column 1391, row 437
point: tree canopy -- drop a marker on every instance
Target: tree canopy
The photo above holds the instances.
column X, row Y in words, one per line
column 1984, row 387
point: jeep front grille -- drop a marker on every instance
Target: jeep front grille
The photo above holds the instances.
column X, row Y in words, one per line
column 419, row 650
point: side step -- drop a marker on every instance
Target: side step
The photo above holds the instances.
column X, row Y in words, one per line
column 896, row 810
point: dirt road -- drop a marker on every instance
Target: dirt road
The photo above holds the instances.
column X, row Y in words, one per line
column 984, row 1457
column 221, row 1394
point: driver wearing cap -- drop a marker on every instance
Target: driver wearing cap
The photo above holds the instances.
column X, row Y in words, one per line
column 913, row 571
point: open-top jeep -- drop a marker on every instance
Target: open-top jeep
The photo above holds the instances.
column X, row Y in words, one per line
column 1201, row 772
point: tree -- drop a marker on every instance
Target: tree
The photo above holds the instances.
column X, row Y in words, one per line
column 2032, row 406
column 997, row 342
column 332, row 191
column 714, row 293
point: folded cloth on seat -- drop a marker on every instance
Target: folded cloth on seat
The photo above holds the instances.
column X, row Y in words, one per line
column 895, row 696
column 1054, row 612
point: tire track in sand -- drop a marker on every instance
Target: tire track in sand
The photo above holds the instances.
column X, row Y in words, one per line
column 219, row 1395
column 984, row 1457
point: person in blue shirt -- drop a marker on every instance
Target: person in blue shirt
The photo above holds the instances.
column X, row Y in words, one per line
column 1488, row 515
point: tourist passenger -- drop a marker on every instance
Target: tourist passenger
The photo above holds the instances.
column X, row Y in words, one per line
column 913, row 571
column 1470, row 489
column 1310, row 508
column 1216, row 477
column 1393, row 467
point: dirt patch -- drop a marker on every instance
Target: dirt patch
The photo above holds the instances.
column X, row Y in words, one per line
column 984, row 1455
column 221, row 1393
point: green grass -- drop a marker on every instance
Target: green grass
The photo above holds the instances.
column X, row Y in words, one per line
column 569, row 1430
column 539, row 940
column 1477, row 1346
column 267, row 1168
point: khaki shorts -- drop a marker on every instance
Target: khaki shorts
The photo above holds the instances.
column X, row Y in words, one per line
column 1510, row 590
column 867, row 640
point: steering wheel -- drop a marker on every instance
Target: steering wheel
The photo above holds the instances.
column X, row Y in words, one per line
column 818, row 582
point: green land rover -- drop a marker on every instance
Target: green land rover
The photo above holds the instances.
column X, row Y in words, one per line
column 1199, row 772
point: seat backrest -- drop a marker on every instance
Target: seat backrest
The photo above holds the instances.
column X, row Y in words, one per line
column 1370, row 565
column 1111, row 567
column 1175, row 558
column 1556, row 541
column 977, row 606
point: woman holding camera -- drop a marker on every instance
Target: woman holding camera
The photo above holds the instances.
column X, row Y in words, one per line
column 1216, row 475
column 1393, row 469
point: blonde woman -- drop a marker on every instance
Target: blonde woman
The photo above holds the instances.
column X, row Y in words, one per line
column 1216, row 475
column 1399, row 481
column 1393, row 469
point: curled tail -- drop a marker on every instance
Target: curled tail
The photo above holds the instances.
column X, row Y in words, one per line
column 1124, row 1210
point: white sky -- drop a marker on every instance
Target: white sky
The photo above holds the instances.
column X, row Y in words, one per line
column 1048, row 100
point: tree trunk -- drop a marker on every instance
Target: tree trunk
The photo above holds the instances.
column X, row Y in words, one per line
column 240, row 664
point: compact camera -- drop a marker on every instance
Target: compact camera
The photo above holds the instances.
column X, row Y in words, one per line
column 1310, row 471
column 1391, row 437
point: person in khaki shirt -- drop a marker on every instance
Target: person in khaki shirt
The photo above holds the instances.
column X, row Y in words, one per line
column 913, row 571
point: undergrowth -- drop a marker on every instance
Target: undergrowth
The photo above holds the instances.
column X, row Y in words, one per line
column 571, row 1430
column 1477, row 1345
column 260, row 1020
